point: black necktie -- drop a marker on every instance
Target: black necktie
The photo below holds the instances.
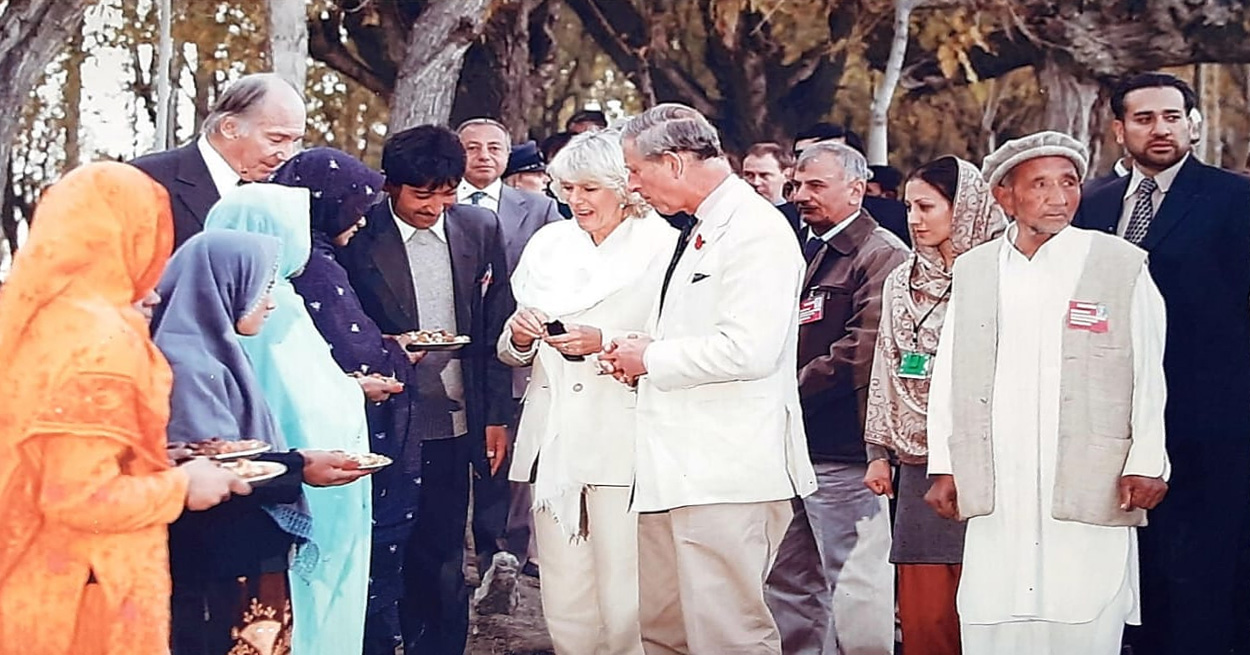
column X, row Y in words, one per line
column 812, row 248
column 686, row 223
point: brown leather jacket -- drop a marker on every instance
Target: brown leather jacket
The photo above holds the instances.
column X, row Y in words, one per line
column 835, row 352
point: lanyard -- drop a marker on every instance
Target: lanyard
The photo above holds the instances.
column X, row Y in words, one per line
column 915, row 329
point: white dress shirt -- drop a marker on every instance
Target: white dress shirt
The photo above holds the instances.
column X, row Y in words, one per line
column 837, row 229
column 1164, row 181
column 490, row 201
column 406, row 231
column 224, row 177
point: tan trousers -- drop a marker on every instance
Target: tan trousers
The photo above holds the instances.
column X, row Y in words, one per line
column 701, row 574
column 590, row 588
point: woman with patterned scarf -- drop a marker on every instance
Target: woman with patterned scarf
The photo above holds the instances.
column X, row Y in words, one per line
column 949, row 211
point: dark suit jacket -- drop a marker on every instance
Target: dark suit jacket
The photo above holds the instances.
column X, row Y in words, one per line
column 521, row 213
column 1094, row 184
column 1199, row 246
column 889, row 214
column 835, row 353
column 185, row 176
column 377, row 265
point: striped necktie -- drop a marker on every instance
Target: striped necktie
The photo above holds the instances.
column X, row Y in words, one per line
column 1143, row 211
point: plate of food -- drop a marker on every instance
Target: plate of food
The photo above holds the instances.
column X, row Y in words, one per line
column 369, row 461
column 254, row 472
column 419, row 340
column 222, row 450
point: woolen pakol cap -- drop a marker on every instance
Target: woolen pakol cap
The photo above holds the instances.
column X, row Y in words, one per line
column 1043, row 144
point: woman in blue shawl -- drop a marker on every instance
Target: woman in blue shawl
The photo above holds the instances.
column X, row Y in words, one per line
column 318, row 408
column 228, row 563
column 343, row 189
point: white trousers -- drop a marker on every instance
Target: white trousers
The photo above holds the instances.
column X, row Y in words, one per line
column 1102, row 636
column 590, row 589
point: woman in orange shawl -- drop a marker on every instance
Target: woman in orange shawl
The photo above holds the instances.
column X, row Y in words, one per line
column 86, row 488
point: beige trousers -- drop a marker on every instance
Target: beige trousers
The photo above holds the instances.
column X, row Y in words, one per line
column 590, row 588
column 702, row 572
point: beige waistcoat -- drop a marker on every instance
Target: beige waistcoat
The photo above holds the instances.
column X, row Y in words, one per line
column 1096, row 387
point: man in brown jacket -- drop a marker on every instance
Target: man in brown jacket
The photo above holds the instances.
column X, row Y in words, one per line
column 823, row 599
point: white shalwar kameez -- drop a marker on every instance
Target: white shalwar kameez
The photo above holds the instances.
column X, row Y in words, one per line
column 1030, row 583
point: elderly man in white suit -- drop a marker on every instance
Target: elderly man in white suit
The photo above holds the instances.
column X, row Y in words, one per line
column 720, row 445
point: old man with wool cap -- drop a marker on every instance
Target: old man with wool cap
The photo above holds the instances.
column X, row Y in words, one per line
column 1046, row 415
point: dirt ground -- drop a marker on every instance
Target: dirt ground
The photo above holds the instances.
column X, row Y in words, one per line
column 524, row 632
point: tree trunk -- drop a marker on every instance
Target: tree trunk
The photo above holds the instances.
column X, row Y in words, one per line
column 501, row 73
column 35, row 32
column 1070, row 100
column 426, row 82
column 164, row 57
column 72, row 100
column 883, row 95
column 288, row 40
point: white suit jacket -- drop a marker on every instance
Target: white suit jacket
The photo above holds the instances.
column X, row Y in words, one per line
column 718, row 410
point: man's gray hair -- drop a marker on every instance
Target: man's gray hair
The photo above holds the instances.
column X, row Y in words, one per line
column 596, row 158
column 853, row 163
column 241, row 98
column 672, row 127
column 485, row 121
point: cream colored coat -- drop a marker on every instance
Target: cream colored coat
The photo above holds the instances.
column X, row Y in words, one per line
column 596, row 423
column 718, row 417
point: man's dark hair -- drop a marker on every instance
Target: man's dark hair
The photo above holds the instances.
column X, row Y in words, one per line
column 827, row 131
column 887, row 177
column 1151, row 81
column 784, row 156
column 426, row 157
column 588, row 116
column 554, row 144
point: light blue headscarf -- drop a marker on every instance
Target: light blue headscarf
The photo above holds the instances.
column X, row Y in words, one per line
column 317, row 407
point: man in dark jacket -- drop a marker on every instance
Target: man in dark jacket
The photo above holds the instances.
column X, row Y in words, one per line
column 424, row 262
column 253, row 129
column 1194, row 221
column 849, row 256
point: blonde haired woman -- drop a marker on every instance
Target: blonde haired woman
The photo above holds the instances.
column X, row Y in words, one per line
column 578, row 284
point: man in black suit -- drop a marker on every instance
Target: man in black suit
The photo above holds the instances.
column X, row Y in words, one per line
column 424, row 262
column 254, row 128
column 487, row 147
column 889, row 213
column 1194, row 220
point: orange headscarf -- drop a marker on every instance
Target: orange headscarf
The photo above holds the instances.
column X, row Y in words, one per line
column 98, row 243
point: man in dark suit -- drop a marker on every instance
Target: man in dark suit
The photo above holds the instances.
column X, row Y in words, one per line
column 487, row 147
column 848, row 257
column 424, row 262
column 1194, row 220
column 253, row 129
column 888, row 212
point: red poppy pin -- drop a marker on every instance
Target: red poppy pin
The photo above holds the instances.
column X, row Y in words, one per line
column 698, row 242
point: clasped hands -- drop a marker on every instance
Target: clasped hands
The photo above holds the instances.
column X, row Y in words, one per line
column 622, row 358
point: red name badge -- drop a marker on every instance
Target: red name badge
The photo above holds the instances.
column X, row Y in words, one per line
column 1089, row 316
column 812, row 310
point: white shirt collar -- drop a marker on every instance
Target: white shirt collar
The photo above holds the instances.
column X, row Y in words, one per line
column 406, row 231
column 465, row 189
column 1164, row 179
column 222, row 173
column 836, row 229
column 1059, row 242
column 1119, row 168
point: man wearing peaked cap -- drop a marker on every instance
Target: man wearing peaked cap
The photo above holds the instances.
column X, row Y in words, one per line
column 526, row 169
column 1046, row 416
